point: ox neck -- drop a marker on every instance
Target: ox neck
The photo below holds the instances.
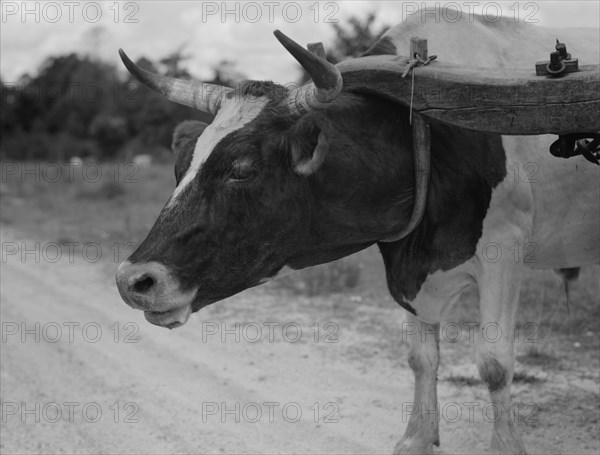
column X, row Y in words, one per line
column 364, row 190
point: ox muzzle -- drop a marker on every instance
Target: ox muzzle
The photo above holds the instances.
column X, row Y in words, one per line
column 150, row 287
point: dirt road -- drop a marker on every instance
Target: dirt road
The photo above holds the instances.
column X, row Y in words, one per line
column 143, row 389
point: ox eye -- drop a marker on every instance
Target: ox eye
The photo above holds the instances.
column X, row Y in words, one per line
column 242, row 172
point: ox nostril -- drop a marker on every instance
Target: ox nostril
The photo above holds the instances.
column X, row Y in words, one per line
column 143, row 285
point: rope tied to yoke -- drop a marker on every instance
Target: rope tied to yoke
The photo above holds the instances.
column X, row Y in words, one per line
column 412, row 63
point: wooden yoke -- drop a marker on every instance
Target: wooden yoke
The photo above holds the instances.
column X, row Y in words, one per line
column 502, row 101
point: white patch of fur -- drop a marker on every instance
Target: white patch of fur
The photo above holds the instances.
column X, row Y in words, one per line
column 233, row 115
column 440, row 291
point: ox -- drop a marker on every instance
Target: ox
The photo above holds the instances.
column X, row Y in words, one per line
column 286, row 179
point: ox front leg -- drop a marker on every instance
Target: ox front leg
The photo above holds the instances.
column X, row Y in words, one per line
column 499, row 292
column 422, row 431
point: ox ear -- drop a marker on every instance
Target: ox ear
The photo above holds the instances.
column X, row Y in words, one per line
column 185, row 133
column 308, row 146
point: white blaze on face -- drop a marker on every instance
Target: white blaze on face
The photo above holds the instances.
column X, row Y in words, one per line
column 234, row 114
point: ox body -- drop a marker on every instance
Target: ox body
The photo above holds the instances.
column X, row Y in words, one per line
column 283, row 180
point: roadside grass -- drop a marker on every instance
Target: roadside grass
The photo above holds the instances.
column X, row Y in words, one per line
column 538, row 355
column 463, row 380
column 519, row 376
column 523, row 377
column 114, row 206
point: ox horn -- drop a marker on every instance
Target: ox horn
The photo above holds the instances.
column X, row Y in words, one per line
column 198, row 95
column 326, row 82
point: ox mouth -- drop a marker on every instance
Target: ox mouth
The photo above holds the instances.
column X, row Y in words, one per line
column 169, row 319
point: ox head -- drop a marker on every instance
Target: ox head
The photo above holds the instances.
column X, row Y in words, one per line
column 244, row 205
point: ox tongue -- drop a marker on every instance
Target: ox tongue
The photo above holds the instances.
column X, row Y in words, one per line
column 169, row 319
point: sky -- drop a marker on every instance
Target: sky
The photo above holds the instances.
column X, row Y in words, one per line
column 212, row 31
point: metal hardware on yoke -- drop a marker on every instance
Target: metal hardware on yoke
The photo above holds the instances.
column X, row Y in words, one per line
column 569, row 145
column 560, row 62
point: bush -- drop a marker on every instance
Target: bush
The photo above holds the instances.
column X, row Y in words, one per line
column 41, row 146
column 107, row 190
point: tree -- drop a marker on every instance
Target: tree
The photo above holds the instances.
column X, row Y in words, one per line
column 172, row 64
column 356, row 39
column 110, row 132
column 351, row 41
column 151, row 118
column 227, row 74
column 93, row 40
column 79, row 104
